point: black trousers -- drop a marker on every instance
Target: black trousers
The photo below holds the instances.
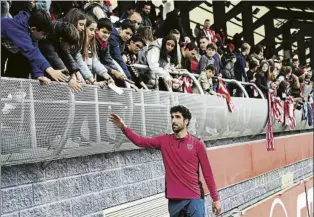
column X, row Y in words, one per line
column 17, row 66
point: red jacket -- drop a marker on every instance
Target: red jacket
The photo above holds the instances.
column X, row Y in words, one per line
column 182, row 158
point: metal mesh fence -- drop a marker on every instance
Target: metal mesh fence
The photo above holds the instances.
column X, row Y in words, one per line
column 48, row 122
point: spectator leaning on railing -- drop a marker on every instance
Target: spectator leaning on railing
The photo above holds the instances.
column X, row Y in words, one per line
column 57, row 47
column 20, row 37
column 104, row 29
column 134, row 46
column 87, row 59
column 161, row 56
column 117, row 42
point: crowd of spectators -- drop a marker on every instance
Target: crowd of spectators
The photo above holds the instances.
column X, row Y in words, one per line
column 78, row 43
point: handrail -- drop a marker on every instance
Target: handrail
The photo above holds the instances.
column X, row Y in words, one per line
column 182, row 72
column 121, row 70
column 237, row 83
column 254, row 85
column 190, row 75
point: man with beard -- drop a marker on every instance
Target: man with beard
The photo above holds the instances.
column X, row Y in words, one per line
column 183, row 187
column 146, row 22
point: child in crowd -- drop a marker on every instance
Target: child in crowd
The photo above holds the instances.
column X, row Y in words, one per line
column 208, row 58
column 118, row 41
column 56, row 48
column 134, row 46
column 19, row 43
column 104, row 29
column 206, row 80
column 87, row 59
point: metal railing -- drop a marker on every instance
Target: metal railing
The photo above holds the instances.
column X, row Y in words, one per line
column 41, row 123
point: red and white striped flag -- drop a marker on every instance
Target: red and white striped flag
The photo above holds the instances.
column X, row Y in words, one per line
column 222, row 89
column 270, row 145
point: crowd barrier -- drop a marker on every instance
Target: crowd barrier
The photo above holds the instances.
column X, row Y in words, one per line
column 42, row 123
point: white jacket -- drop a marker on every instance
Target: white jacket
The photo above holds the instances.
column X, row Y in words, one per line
column 156, row 65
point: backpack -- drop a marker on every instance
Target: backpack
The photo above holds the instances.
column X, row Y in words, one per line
column 89, row 10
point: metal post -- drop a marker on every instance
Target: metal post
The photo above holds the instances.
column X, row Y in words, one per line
column 286, row 42
column 301, row 49
column 270, row 37
column 247, row 21
column 219, row 15
column 98, row 139
column 143, row 114
column 32, row 117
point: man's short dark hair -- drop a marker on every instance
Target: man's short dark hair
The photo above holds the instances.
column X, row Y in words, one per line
column 191, row 46
column 146, row 4
column 127, row 24
column 69, row 33
column 252, row 64
column 41, row 20
column 211, row 46
column 207, row 20
column 183, row 110
column 138, row 38
column 104, row 23
column 174, row 32
column 210, row 67
column 258, row 48
column 203, row 37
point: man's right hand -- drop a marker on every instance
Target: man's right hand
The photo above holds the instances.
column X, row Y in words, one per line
column 216, row 207
column 117, row 121
column 57, row 75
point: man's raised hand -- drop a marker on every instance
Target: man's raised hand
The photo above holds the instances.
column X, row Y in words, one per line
column 117, row 121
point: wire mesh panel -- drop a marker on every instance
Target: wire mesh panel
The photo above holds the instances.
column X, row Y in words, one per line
column 48, row 122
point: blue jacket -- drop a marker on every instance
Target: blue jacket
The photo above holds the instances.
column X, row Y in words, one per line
column 239, row 68
column 116, row 50
column 16, row 30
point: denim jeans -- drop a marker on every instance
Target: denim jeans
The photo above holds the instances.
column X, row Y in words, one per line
column 186, row 208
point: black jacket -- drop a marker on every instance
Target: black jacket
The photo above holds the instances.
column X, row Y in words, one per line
column 261, row 83
column 56, row 56
column 104, row 57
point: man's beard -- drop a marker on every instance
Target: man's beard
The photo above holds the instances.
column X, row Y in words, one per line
column 176, row 128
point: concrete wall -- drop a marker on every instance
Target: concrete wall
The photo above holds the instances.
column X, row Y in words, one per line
column 84, row 186
column 81, row 186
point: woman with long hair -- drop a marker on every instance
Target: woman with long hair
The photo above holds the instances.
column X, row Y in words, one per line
column 88, row 59
column 262, row 76
column 162, row 57
column 80, row 50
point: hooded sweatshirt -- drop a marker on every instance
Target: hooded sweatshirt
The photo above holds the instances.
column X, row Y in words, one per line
column 15, row 32
column 182, row 158
column 157, row 65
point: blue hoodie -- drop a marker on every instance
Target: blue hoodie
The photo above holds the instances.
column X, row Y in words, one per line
column 116, row 49
column 17, row 31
